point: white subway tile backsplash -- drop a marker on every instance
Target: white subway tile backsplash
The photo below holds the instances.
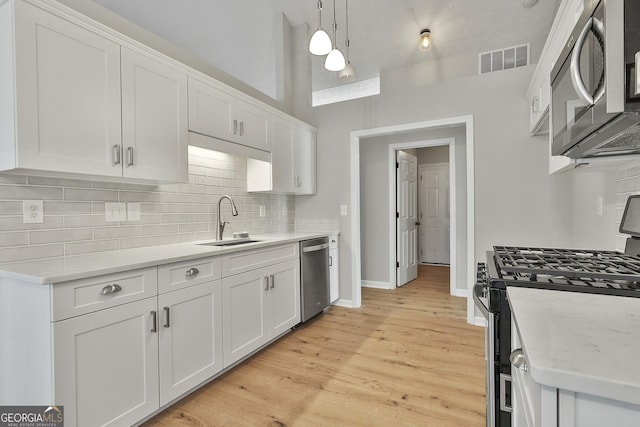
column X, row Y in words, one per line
column 87, row 195
column 57, row 236
column 77, row 248
column 22, row 192
column 24, row 253
column 117, row 232
column 14, row 239
column 74, row 210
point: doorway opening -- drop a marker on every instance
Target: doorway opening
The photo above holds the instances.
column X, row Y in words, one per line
column 423, row 207
column 462, row 273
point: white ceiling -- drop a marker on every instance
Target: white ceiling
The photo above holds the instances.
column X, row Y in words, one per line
column 383, row 33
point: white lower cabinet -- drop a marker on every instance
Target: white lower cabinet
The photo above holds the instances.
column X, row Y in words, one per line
column 190, row 338
column 116, row 348
column 334, row 268
column 539, row 405
column 259, row 305
column 106, row 365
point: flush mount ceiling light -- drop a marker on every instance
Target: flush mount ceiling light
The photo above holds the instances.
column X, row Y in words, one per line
column 529, row 3
column 320, row 43
column 335, row 59
column 425, row 40
column 348, row 71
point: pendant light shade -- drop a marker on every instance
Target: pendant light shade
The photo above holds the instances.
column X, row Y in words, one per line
column 348, row 71
column 335, row 59
column 320, row 43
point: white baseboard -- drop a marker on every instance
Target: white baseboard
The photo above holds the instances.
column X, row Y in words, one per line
column 343, row 303
column 480, row 321
column 460, row 293
column 377, row 285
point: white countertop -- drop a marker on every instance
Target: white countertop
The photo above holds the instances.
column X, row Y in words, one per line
column 57, row 270
column 581, row 342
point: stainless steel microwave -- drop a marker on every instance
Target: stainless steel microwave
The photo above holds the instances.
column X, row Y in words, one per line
column 595, row 83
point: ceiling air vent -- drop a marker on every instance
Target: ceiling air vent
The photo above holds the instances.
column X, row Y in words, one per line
column 504, row 59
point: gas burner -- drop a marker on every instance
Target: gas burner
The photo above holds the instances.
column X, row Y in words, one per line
column 577, row 265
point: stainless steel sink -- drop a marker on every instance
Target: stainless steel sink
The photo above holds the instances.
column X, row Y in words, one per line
column 228, row 242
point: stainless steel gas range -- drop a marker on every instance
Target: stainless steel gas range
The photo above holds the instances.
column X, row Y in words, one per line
column 572, row 270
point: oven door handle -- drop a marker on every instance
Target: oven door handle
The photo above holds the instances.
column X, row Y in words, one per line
column 477, row 291
column 595, row 25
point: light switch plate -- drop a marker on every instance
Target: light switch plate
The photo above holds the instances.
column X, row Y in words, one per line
column 115, row 212
column 133, row 211
column 263, row 210
column 343, row 210
column 32, row 211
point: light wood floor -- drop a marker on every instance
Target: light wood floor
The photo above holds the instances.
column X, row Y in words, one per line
column 407, row 357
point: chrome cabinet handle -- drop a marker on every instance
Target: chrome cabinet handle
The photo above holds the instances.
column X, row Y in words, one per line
column 192, row 272
column 129, row 156
column 116, row 154
column 637, row 73
column 235, row 127
column 111, row 289
column 166, row 317
column 330, row 261
column 595, row 25
column 154, row 321
column 518, row 360
column 272, row 281
column 504, row 378
column 242, row 128
column 266, row 281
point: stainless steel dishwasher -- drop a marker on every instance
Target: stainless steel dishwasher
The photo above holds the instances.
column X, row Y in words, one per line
column 314, row 272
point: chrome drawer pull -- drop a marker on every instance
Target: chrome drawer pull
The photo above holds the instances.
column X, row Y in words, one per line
column 154, row 321
column 192, row 272
column 111, row 289
column 166, row 317
column 271, row 277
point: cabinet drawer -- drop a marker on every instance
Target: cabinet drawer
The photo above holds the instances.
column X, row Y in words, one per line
column 239, row 262
column 88, row 295
column 188, row 273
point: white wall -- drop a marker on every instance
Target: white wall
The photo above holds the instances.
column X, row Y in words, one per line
column 375, row 191
column 517, row 202
column 432, row 155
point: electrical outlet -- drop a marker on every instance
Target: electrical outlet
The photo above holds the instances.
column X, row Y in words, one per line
column 285, row 211
column 343, row 210
column 599, row 206
column 263, row 210
column 32, row 211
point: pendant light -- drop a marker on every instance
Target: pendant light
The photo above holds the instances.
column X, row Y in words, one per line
column 320, row 43
column 348, row 71
column 335, row 59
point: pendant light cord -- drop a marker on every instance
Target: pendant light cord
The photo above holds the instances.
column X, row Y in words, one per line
column 319, row 14
column 335, row 25
column 346, row 42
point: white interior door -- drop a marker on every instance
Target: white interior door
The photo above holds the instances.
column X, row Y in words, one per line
column 435, row 221
column 407, row 228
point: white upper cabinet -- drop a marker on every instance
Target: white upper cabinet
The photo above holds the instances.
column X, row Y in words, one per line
column 216, row 113
column 293, row 161
column 539, row 91
column 85, row 105
column 67, row 89
column 154, row 119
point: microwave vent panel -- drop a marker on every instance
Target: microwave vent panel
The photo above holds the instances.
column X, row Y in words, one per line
column 503, row 59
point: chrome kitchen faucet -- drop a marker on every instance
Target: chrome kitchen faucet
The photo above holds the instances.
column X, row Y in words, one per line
column 221, row 224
